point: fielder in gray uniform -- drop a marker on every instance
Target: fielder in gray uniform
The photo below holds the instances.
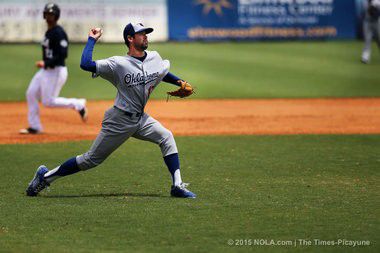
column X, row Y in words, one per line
column 371, row 27
column 135, row 76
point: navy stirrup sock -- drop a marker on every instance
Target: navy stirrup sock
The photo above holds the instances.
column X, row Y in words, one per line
column 67, row 168
column 172, row 161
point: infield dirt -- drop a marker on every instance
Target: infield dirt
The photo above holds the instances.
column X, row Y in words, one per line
column 207, row 117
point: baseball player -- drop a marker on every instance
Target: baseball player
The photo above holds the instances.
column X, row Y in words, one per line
column 135, row 76
column 371, row 27
column 49, row 80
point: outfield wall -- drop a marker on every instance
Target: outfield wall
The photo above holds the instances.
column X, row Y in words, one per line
column 21, row 20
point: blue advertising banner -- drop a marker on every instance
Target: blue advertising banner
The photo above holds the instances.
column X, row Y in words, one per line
column 261, row 19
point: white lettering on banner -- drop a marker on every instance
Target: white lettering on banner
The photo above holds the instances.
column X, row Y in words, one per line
column 278, row 21
column 282, row 2
column 321, row 10
column 283, row 12
column 265, row 10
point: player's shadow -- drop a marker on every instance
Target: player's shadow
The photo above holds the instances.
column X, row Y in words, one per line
column 107, row 195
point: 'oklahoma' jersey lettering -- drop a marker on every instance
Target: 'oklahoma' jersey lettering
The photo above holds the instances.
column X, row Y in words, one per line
column 134, row 80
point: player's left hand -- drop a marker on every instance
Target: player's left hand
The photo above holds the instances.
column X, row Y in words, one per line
column 185, row 90
column 40, row 64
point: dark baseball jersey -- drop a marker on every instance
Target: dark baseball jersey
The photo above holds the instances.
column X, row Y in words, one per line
column 372, row 10
column 55, row 47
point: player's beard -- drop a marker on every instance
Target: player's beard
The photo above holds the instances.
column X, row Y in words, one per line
column 144, row 46
column 141, row 47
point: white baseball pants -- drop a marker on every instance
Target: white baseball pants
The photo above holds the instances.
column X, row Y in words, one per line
column 371, row 30
column 45, row 86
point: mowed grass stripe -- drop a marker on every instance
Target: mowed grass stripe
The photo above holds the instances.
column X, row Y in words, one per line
column 218, row 70
column 271, row 187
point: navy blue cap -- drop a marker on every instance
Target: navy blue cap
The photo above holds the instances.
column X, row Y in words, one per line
column 132, row 29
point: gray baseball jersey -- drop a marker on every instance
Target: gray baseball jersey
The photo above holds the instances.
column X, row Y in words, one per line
column 134, row 81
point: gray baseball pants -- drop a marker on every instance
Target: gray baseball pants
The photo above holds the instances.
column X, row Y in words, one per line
column 117, row 127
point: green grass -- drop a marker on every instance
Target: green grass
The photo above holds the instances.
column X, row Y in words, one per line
column 219, row 70
column 249, row 187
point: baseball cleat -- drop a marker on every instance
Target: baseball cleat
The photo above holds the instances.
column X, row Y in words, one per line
column 365, row 57
column 29, row 130
column 365, row 61
column 38, row 183
column 83, row 114
column 180, row 191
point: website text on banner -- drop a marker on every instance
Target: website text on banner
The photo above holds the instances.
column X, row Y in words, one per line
column 261, row 19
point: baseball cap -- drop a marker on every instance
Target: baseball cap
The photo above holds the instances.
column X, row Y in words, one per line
column 132, row 29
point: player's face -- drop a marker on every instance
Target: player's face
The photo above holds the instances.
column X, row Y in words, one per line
column 50, row 18
column 140, row 41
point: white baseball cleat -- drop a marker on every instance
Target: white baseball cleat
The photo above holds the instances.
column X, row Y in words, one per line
column 365, row 57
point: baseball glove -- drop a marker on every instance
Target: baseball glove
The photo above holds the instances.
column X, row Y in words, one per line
column 184, row 91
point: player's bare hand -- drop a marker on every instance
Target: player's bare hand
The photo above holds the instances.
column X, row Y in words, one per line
column 95, row 33
column 40, row 64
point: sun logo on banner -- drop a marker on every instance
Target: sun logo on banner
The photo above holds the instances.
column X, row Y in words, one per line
column 215, row 5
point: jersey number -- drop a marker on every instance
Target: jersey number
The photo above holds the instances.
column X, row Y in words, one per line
column 49, row 53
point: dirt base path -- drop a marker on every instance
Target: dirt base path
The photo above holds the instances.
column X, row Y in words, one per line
column 208, row 117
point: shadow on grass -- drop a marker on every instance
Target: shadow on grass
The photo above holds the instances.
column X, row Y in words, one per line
column 106, row 195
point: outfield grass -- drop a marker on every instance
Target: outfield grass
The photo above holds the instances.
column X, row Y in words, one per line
column 219, row 70
column 249, row 187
